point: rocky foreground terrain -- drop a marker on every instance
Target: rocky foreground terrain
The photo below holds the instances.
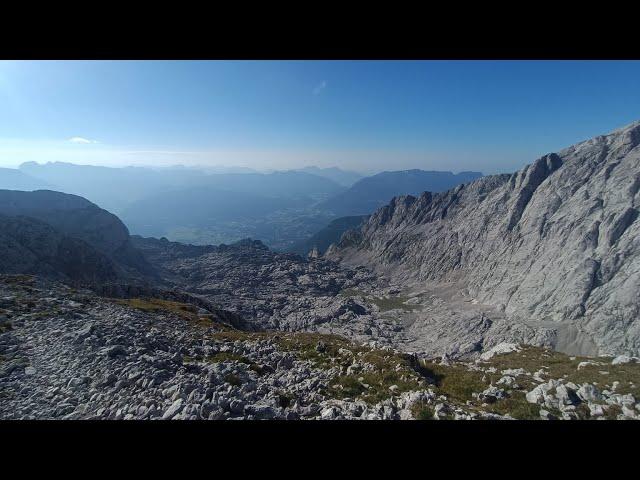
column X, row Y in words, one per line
column 69, row 354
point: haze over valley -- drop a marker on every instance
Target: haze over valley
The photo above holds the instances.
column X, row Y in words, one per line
column 190, row 205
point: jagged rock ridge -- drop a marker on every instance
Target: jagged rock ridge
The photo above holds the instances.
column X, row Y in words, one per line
column 554, row 246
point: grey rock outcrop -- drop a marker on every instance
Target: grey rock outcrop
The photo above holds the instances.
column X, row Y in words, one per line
column 269, row 290
column 554, row 248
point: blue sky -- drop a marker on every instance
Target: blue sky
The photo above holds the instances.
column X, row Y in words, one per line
column 492, row 116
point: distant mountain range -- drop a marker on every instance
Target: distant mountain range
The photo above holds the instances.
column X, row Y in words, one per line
column 13, row 179
column 371, row 193
column 118, row 188
column 342, row 177
column 111, row 188
column 282, row 208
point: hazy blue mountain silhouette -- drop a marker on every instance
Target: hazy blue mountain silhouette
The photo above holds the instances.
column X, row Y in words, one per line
column 117, row 188
column 343, row 177
column 371, row 193
column 14, row 179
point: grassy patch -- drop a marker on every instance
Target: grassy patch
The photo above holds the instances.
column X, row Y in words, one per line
column 309, row 340
column 374, row 386
column 459, row 384
column 533, row 359
column 18, row 279
column 231, row 357
column 455, row 381
column 383, row 304
column 46, row 313
column 230, row 335
column 352, row 292
column 221, row 357
column 422, row 411
column 382, row 369
column 393, row 303
column 387, row 369
column 155, row 305
column 560, row 365
column 182, row 310
column 516, row 406
column 391, row 375
column 321, row 349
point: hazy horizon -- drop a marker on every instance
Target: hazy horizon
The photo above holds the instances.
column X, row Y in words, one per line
column 215, row 168
column 364, row 116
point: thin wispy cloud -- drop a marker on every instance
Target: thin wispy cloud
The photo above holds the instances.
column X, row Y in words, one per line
column 318, row 90
column 82, row 140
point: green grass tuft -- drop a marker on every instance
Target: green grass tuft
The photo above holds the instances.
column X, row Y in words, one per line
column 422, row 411
column 455, row 381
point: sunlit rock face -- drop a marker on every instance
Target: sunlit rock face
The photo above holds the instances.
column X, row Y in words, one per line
column 555, row 245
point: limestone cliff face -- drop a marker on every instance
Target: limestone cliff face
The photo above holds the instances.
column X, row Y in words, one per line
column 556, row 242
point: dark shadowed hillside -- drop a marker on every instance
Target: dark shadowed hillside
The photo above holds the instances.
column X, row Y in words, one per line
column 30, row 246
column 75, row 217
